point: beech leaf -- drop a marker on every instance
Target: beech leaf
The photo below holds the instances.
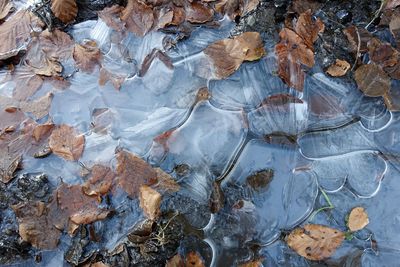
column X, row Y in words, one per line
column 67, row 143
column 339, row 68
column 358, row 219
column 65, row 10
column 87, row 55
column 150, row 202
column 139, row 17
column 372, row 80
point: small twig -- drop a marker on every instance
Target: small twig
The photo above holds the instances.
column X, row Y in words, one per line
column 358, row 49
column 377, row 13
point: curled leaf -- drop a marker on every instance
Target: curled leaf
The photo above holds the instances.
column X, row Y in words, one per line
column 197, row 12
column 228, row 54
column 87, row 55
column 150, row 201
column 339, row 68
column 65, row 10
column 358, row 219
column 315, row 242
column 139, row 17
column 111, row 17
column 67, row 143
column 5, row 8
column 100, row 182
column 372, row 80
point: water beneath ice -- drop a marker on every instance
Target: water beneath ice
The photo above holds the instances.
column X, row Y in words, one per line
column 332, row 138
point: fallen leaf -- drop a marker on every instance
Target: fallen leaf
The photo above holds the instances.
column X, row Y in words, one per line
column 394, row 27
column 16, row 33
column 193, row 259
column 133, row 172
column 65, row 10
column 384, row 55
column 301, row 6
column 165, row 182
column 372, row 80
column 228, row 54
column 175, row 261
column 87, row 55
column 165, row 18
column 106, row 76
column 392, row 100
column 139, row 17
column 6, row 7
column 254, row 263
column 100, row 181
column 148, row 60
column 67, row 143
column 358, row 219
column 358, row 38
column 8, row 166
column 57, row 45
column 217, row 198
column 35, row 227
column 46, row 67
column 260, row 180
column 197, row 12
column 236, row 8
column 71, row 205
column 38, row 108
column 315, row 242
column 27, row 83
column 339, row 68
column 309, row 29
column 150, row 202
column 111, row 17
column 42, row 131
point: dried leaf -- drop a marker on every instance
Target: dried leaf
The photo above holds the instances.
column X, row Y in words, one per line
column 139, row 17
column 6, row 7
column 357, row 37
column 394, row 27
column 87, row 55
column 106, row 76
column 339, row 68
column 372, row 80
column 175, row 261
column 315, row 242
column 100, row 182
column 8, row 165
column 67, row 143
column 358, row 219
column 38, row 108
column 193, row 259
column 42, row 131
column 57, row 45
column 46, row 67
column 150, row 202
column 35, row 227
column 165, row 182
column 390, row 4
column 301, row 6
column 254, row 263
column 148, row 60
column 384, row 55
column 260, row 181
column 133, row 172
column 26, row 83
column 197, row 12
column 16, row 32
column 111, row 17
column 65, row 10
column 217, row 198
column 228, row 54
column 392, row 99
column 308, row 29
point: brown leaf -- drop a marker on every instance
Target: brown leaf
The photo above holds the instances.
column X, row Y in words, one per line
column 384, row 55
column 197, row 12
column 16, row 32
column 309, row 29
column 193, row 259
column 65, row 10
column 394, row 27
column 372, row 80
column 133, row 172
column 71, row 205
column 46, row 67
column 150, row 202
column 217, row 198
column 100, row 182
column 38, row 108
column 139, row 17
column 111, row 17
column 358, row 219
column 87, row 55
column 339, row 68
column 42, row 131
column 236, row 8
column 67, row 143
column 165, row 18
column 26, row 83
column 148, row 60
column 175, row 261
column 35, row 227
column 6, row 7
column 57, row 45
column 301, row 6
column 165, row 182
column 260, row 180
column 254, row 263
column 315, row 242
column 106, row 76
column 392, row 99
column 228, row 54
column 357, row 37
column 8, row 166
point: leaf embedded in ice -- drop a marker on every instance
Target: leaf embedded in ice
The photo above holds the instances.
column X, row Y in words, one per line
column 111, row 17
column 339, row 68
column 16, row 33
column 67, row 143
column 165, row 182
column 57, row 45
column 260, row 180
column 150, row 202
column 197, row 12
column 38, row 108
column 35, row 226
column 392, row 4
column 394, row 27
column 8, row 165
column 6, row 7
column 133, row 172
column 175, row 261
column 138, row 17
column 228, row 54
column 106, row 76
column 65, row 10
column 358, row 38
column 372, row 80
column 100, row 181
column 315, row 242
column 46, row 67
column 254, row 263
column 193, row 259
column 392, row 99
column 358, row 219
column 87, row 55
column 42, row 131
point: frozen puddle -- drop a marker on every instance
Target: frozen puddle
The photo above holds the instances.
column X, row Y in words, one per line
column 224, row 133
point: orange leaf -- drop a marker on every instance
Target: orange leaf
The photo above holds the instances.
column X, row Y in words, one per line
column 358, row 219
column 64, row 10
column 150, row 201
